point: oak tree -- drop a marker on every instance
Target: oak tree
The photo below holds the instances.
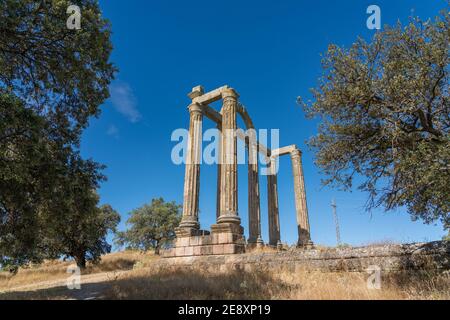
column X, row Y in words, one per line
column 384, row 110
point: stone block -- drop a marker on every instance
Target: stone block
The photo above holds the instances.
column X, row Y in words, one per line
column 227, row 228
column 218, row 249
column 204, row 240
column 232, row 248
column 206, row 250
column 226, row 238
column 229, row 248
column 179, row 251
column 215, row 238
column 187, row 232
column 197, row 250
column 183, row 242
column 194, row 241
column 189, row 251
column 168, row 253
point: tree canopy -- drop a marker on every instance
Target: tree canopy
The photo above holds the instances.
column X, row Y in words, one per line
column 82, row 232
column 151, row 225
column 60, row 73
column 52, row 81
column 384, row 110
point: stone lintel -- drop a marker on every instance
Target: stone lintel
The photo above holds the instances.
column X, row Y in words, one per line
column 212, row 114
column 196, row 92
column 210, row 96
column 216, row 116
column 284, row 150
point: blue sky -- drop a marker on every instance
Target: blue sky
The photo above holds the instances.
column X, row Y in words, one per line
column 269, row 51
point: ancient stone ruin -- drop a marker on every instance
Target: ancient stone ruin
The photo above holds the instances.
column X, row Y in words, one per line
column 226, row 236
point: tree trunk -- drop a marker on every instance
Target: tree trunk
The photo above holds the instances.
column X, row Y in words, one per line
column 80, row 259
column 157, row 248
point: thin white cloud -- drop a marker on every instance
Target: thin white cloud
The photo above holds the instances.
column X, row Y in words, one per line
column 124, row 101
column 113, row 131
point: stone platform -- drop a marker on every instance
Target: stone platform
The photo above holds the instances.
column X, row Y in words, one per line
column 222, row 243
column 416, row 256
column 224, row 239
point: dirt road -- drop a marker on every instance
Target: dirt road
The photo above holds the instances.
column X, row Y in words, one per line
column 91, row 287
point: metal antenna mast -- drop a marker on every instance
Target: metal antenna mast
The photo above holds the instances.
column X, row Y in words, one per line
column 336, row 222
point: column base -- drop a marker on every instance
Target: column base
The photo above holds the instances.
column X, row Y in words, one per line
column 229, row 217
column 272, row 244
column 182, row 232
column 305, row 245
column 258, row 242
column 189, row 222
column 252, row 245
column 279, row 245
column 224, row 239
column 225, row 227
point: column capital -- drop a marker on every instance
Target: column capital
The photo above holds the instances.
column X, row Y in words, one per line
column 229, row 93
column 195, row 107
column 296, row 153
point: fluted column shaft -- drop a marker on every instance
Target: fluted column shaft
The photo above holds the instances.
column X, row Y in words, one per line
column 254, row 210
column 228, row 176
column 304, row 237
column 274, row 216
column 192, row 175
column 219, row 169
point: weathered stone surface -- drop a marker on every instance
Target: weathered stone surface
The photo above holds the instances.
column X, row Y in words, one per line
column 433, row 255
column 189, row 221
column 304, row 238
column 228, row 229
column 272, row 205
column 228, row 180
column 215, row 243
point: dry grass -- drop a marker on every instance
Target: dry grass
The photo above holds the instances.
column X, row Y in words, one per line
column 142, row 281
column 382, row 242
column 57, row 269
column 147, row 284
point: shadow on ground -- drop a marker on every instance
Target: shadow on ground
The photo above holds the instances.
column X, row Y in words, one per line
column 87, row 292
column 199, row 285
column 166, row 285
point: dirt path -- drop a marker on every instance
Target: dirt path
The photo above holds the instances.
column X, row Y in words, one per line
column 92, row 286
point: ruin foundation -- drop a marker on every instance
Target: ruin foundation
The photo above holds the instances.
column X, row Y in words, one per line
column 223, row 239
column 416, row 256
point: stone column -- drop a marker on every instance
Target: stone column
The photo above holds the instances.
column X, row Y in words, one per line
column 304, row 238
column 219, row 168
column 189, row 222
column 274, row 216
column 228, row 176
column 254, row 210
